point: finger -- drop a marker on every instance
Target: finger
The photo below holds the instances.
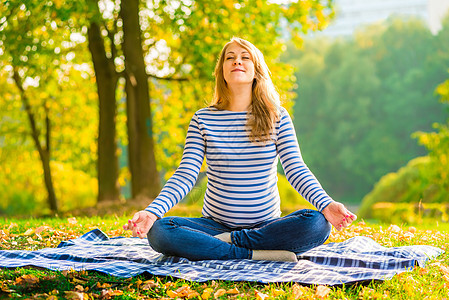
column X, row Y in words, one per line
column 351, row 215
column 130, row 225
column 136, row 218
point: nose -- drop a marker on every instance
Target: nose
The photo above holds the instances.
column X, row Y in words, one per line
column 237, row 62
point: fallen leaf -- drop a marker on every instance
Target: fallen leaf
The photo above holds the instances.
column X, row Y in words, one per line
column 219, row 293
column 444, row 269
column 41, row 229
column 79, row 280
column 146, row 285
column 277, row 292
column 76, row 295
column 322, row 291
column 233, row 291
column 103, row 285
column 29, row 232
column 193, row 294
column 412, row 229
column 423, row 271
column 409, row 235
column 297, row 291
column 260, row 295
column 72, row 221
column 206, row 293
column 27, row 280
column 108, row 294
column 172, row 294
column 394, row 228
column 183, row 291
column 117, row 293
column 11, row 226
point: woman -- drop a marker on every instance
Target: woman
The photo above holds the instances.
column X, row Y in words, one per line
column 241, row 134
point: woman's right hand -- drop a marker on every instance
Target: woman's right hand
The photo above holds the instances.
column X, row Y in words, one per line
column 141, row 223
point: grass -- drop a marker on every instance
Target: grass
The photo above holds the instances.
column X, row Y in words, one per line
column 430, row 282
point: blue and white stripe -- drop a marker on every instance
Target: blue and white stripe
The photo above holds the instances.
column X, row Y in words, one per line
column 242, row 175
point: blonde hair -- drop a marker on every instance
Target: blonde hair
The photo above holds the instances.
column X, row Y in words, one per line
column 265, row 103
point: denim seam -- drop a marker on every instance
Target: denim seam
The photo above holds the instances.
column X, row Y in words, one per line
column 199, row 224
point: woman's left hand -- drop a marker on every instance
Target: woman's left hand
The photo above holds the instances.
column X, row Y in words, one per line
column 337, row 214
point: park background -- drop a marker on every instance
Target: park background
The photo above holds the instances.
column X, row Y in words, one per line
column 96, row 98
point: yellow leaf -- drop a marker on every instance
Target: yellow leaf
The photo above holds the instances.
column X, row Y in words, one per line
column 103, row 285
column 117, row 293
column 29, row 231
column 27, row 280
column 206, row 293
column 277, row 292
column 172, row 294
column 260, row 295
column 233, row 291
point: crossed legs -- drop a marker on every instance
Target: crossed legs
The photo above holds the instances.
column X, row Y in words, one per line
column 204, row 238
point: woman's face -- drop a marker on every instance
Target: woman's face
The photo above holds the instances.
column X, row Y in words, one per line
column 238, row 66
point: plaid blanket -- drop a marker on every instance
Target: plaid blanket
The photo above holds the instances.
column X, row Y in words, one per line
column 357, row 259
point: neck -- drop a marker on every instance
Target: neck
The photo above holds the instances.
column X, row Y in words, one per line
column 240, row 99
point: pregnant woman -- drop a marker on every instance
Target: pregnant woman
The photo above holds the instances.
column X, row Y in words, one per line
column 242, row 135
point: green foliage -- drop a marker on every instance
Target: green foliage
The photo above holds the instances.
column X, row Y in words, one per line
column 410, row 184
column 422, row 180
column 360, row 99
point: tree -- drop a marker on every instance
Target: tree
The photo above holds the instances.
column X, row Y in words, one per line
column 106, row 79
column 32, row 61
column 138, row 40
column 361, row 98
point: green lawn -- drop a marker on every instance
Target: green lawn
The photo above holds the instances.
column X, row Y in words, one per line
column 431, row 282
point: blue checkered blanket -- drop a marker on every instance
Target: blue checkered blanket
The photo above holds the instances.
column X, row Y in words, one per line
column 354, row 260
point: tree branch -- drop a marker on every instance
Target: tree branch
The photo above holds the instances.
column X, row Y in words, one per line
column 26, row 103
column 111, row 35
column 47, row 128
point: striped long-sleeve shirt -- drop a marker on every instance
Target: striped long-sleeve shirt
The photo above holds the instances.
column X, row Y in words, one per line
column 242, row 175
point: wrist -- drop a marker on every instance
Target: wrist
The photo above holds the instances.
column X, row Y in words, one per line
column 150, row 215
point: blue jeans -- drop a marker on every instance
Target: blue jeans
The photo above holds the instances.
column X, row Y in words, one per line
column 193, row 238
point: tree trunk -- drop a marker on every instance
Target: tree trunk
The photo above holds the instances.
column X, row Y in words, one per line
column 142, row 162
column 44, row 151
column 106, row 78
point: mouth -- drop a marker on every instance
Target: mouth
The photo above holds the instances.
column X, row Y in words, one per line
column 237, row 70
